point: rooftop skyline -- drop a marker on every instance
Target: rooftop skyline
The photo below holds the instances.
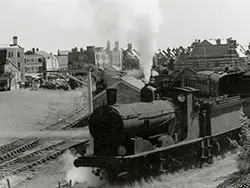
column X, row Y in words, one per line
column 63, row 24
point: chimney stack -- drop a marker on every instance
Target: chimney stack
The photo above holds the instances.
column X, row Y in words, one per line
column 108, row 45
column 218, row 41
column 130, row 47
column 33, row 50
column 15, row 40
column 229, row 40
column 116, row 46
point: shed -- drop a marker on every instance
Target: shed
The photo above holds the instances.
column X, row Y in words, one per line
column 127, row 92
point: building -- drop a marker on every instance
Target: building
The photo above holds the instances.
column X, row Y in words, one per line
column 50, row 62
column 103, row 58
column 62, row 56
column 33, row 62
column 15, row 55
column 128, row 91
column 116, row 57
column 130, row 58
column 77, row 59
column 208, row 56
column 9, row 71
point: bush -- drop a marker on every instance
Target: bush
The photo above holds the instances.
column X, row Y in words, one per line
column 243, row 158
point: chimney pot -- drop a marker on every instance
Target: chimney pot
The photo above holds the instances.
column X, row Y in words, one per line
column 130, row 47
column 117, row 46
column 108, row 45
column 15, row 40
column 218, row 41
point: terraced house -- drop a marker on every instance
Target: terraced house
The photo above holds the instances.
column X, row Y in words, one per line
column 206, row 55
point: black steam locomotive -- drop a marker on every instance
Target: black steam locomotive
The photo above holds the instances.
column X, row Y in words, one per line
column 170, row 128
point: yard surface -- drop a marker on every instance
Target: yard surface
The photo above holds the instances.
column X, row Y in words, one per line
column 26, row 110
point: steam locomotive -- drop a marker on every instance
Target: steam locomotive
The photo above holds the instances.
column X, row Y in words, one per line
column 170, row 128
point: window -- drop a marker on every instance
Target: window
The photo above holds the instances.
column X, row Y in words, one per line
column 39, row 60
column 18, row 64
column 9, row 54
column 12, row 54
column 18, row 54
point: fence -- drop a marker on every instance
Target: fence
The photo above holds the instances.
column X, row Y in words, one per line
column 60, row 185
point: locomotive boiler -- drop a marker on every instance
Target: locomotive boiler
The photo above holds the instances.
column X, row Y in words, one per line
column 113, row 126
column 163, row 132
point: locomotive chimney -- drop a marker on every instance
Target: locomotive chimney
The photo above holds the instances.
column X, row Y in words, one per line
column 111, row 96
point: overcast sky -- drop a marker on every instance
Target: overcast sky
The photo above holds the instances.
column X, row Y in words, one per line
column 63, row 24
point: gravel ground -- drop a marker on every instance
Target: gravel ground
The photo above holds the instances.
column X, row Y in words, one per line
column 24, row 110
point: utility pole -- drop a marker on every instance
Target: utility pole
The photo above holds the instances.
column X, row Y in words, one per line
column 90, row 98
column 90, row 105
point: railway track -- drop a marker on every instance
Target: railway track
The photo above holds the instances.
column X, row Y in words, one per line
column 38, row 156
column 18, row 146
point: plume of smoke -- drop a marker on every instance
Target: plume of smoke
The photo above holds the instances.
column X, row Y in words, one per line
column 80, row 175
column 128, row 20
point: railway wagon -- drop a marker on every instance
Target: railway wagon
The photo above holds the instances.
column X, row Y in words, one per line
column 154, row 136
column 215, row 84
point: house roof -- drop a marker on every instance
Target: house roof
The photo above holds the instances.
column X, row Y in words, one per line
column 139, row 84
column 182, row 59
column 207, row 49
column 126, row 81
column 241, row 51
column 3, row 46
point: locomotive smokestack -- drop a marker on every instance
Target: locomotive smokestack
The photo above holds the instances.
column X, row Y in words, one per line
column 111, row 96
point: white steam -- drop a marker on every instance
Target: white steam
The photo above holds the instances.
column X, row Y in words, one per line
column 127, row 21
column 80, row 175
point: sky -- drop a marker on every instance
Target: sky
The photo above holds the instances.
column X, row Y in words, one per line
column 63, row 24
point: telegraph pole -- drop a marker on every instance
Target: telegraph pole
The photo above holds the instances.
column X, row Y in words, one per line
column 90, row 105
column 90, row 97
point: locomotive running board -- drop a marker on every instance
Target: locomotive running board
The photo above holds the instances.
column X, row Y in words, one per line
column 144, row 154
